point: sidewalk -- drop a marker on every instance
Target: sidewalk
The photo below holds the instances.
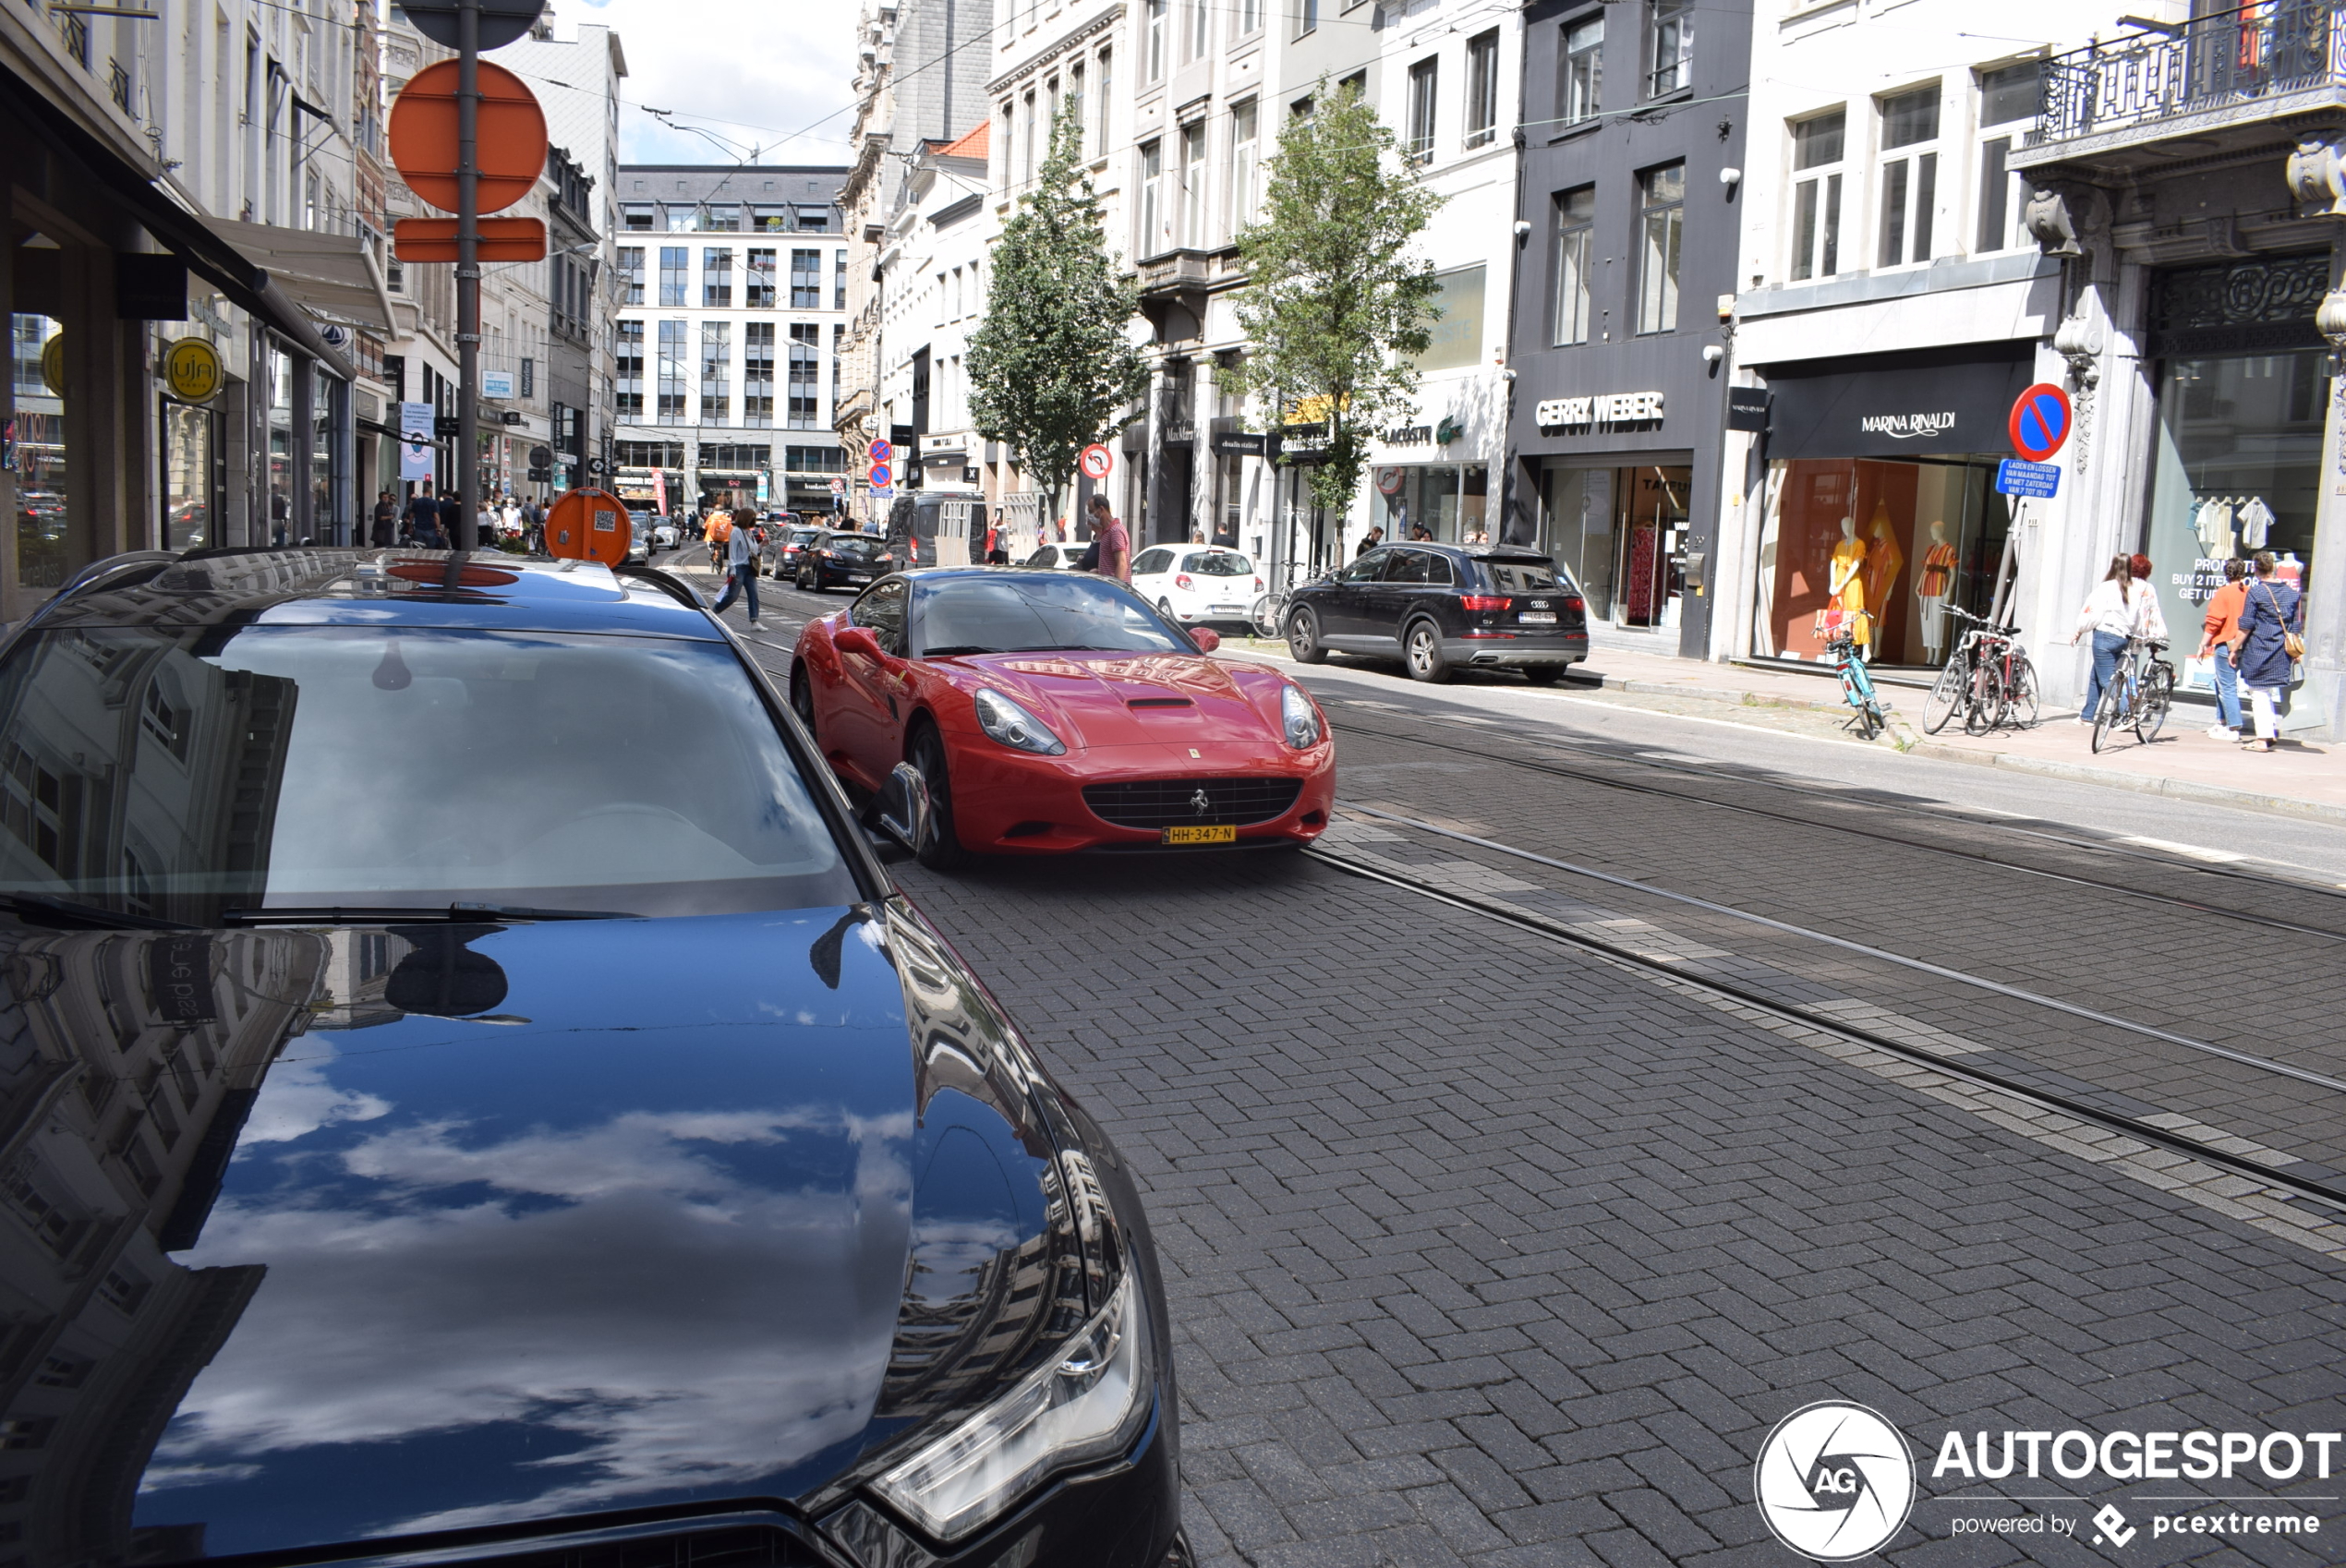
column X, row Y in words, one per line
column 2300, row 779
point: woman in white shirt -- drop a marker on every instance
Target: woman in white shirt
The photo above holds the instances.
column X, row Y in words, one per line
column 2112, row 613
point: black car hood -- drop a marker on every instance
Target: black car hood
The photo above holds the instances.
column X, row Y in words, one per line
column 660, row 1213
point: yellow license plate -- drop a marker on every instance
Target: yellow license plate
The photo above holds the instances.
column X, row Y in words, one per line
column 1224, row 835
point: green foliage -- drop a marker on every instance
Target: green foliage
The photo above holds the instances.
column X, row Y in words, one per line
column 1333, row 307
column 1050, row 365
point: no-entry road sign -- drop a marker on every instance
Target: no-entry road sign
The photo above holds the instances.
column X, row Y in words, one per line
column 2040, row 421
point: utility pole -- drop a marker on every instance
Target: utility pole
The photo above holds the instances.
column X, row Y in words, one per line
column 467, row 272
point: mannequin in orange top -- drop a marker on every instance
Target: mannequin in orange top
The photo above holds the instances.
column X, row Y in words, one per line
column 1848, row 583
column 1931, row 584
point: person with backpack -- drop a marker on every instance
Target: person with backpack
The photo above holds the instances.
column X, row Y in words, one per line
column 2271, row 643
column 718, row 532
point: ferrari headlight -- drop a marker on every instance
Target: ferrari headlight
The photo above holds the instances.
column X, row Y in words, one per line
column 1013, row 726
column 1298, row 718
column 1083, row 1408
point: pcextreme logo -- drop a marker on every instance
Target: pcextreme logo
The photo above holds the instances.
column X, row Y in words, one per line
column 1834, row 1481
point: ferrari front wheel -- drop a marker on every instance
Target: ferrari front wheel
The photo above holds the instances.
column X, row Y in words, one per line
column 940, row 846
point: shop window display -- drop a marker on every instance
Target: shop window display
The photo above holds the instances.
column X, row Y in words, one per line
column 1621, row 533
column 2236, row 468
column 188, row 459
column 36, row 449
column 1897, row 543
column 1449, row 500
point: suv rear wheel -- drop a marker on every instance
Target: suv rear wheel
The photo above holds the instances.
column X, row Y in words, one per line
column 1421, row 651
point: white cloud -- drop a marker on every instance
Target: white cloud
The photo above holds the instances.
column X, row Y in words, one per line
column 295, row 1100
column 747, row 72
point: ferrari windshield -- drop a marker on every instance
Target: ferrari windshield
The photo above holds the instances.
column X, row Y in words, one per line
column 185, row 772
column 999, row 612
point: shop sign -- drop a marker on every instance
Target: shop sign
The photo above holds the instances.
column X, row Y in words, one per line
column 1238, row 443
column 191, row 369
column 1909, row 426
column 1412, row 435
column 1747, row 409
column 1602, row 408
column 1945, row 400
column 497, row 384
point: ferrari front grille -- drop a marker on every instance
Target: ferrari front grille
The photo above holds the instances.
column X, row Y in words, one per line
column 1204, row 803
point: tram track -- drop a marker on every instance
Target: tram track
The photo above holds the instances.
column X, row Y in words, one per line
column 1977, row 857
column 2325, row 1188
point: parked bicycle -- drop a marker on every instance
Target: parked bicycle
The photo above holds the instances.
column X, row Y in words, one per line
column 2138, row 696
column 1989, row 679
column 1856, row 686
column 1269, row 613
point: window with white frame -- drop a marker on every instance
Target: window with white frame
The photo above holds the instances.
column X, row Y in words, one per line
column 1153, row 42
column 1575, row 223
column 1007, row 143
column 1195, row 38
column 2007, row 108
column 1306, row 17
column 1581, row 85
column 1107, row 99
column 1026, row 143
column 1909, row 180
column 1237, row 192
column 1818, row 145
column 1074, row 106
column 1246, row 18
column 1424, row 92
column 1661, row 220
column 1152, row 238
column 1483, row 89
column 1193, row 185
column 1670, row 39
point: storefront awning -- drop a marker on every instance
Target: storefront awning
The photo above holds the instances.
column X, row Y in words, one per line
column 332, row 274
column 1933, row 403
column 192, row 238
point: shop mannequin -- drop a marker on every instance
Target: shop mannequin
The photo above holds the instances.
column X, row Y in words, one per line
column 1931, row 584
column 1884, row 557
column 1848, row 583
column 2289, row 570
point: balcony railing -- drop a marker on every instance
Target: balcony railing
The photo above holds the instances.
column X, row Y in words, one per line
column 2227, row 60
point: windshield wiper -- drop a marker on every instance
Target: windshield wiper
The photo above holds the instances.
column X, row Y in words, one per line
column 62, row 911
column 406, row 914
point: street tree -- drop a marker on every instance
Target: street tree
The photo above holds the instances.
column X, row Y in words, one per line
column 1335, row 305
column 1050, row 367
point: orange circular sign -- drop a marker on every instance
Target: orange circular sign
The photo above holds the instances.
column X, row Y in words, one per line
column 510, row 140
column 589, row 526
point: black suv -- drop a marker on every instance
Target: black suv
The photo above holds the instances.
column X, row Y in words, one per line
column 1437, row 607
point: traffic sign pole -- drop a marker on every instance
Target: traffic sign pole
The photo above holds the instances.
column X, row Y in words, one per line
column 467, row 272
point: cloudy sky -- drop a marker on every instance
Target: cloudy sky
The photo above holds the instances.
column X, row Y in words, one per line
column 747, row 72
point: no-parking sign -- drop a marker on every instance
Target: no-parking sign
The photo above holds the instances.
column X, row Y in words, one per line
column 2040, row 421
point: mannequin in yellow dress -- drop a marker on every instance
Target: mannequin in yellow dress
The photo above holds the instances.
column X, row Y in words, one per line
column 1848, row 583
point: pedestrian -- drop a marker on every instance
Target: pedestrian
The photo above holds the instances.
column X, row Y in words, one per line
column 385, row 529
column 1225, row 537
column 993, row 535
column 451, row 511
column 1369, row 541
column 2150, row 622
column 2108, row 616
column 1115, row 544
column 2219, row 634
column 2271, row 647
column 1420, row 534
column 741, row 560
column 1197, row 535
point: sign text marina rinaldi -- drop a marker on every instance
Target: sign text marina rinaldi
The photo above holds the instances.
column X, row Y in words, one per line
column 1602, row 408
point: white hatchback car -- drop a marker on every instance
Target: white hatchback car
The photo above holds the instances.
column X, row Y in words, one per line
column 1196, row 584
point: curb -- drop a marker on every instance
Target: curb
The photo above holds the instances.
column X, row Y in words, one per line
column 1902, row 737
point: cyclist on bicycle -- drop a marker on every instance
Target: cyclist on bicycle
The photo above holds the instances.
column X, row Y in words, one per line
column 2117, row 609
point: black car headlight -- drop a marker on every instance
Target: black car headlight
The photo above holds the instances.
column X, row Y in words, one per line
column 1083, row 1406
column 1013, row 726
column 1298, row 720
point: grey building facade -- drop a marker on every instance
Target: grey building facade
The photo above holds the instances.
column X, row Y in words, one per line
column 1631, row 154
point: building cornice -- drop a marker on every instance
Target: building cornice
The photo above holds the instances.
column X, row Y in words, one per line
column 1065, row 46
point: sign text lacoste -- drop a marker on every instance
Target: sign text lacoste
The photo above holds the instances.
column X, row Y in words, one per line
column 1601, row 408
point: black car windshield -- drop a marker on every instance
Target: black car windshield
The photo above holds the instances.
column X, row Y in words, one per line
column 1220, row 564
column 185, row 772
column 1000, row 613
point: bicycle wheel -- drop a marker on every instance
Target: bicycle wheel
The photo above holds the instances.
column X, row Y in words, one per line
column 1266, row 614
column 1946, row 697
column 2158, row 696
column 1987, row 707
column 2111, row 716
column 2020, row 691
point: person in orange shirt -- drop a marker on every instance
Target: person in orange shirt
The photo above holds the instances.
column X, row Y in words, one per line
column 2219, row 634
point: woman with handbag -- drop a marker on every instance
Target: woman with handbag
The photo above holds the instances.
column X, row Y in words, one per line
column 2270, row 644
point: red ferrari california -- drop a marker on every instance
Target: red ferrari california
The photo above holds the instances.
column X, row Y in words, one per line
column 1049, row 711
